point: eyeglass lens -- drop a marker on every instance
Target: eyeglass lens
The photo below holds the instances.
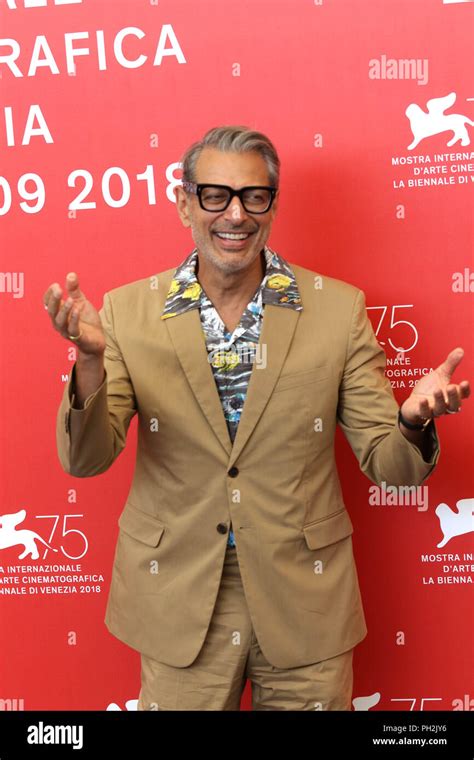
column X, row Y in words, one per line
column 215, row 198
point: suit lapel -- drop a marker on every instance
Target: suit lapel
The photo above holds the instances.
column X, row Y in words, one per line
column 185, row 331
column 278, row 327
column 186, row 334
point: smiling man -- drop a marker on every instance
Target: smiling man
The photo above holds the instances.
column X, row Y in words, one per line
column 230, row 231
column 234, row 557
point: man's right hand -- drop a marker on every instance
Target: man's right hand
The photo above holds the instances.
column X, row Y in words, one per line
column 75, row 316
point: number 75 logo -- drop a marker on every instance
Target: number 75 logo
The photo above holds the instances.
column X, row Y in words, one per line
column 65, row 532
column 394, row 323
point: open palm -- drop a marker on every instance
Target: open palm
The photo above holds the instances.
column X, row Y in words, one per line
column 75, row 317
column 435, row 394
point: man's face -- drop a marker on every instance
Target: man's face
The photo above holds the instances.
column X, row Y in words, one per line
column 236, row 170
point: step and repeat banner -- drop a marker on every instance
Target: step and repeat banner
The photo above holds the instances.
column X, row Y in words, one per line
column 370, row 104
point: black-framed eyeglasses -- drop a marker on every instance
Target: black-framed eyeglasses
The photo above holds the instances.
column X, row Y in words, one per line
column 256, row 199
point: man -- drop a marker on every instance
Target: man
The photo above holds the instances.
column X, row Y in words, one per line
column 234, row 556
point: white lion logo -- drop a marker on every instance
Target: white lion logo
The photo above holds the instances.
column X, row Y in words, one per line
column 365, row 703
column 130, row 705
column 11, row 537
column 455, row 523
column 436, row 121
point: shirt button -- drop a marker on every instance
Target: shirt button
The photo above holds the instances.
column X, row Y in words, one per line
column 221, row 527
column 233, row 472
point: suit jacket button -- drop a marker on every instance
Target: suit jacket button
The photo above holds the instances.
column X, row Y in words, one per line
column 221, row 527
column 233, row 472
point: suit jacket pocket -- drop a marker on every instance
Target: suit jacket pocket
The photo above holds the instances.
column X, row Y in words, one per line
column 141, row 525
column 295, row 379
column 328, row 530
column 143, row 563
column 327, row 580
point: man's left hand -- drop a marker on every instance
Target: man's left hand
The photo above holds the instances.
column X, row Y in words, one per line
column 434, row 394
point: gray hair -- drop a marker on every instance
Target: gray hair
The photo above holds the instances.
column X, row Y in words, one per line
column 238, row 139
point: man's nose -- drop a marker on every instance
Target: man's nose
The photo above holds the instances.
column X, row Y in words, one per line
column 235, row 211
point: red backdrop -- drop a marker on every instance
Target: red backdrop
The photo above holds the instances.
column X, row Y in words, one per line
column 95, row 93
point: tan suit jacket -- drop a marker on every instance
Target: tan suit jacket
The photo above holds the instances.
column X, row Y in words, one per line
column 278, row 484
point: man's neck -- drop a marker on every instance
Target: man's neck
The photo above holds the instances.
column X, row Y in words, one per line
column 231, row 291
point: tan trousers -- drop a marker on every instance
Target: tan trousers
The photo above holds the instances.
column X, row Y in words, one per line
column 231, row 654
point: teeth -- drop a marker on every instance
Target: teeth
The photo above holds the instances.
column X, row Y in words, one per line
column 232, row 235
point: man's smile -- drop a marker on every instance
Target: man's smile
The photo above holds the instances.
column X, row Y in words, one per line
column 232, row 240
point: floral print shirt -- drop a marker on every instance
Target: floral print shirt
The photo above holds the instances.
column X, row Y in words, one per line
column 232, row 355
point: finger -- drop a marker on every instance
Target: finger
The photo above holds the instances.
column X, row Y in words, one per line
column 72, row 285
column 49, row 292
column 454, row 400
column 465, row 389
column 73, row 324
column 452, row 360
column 425, row 409
column 439, row 404
column 63, row 315
column 54, row 300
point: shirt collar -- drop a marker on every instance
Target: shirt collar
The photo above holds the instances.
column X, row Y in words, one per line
column 279, row 286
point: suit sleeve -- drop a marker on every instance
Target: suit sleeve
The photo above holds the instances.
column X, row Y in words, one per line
column 90, row 439
column 367, row 411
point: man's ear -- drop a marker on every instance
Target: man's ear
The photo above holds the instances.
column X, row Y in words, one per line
column 275, row 202
column 182, row 205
